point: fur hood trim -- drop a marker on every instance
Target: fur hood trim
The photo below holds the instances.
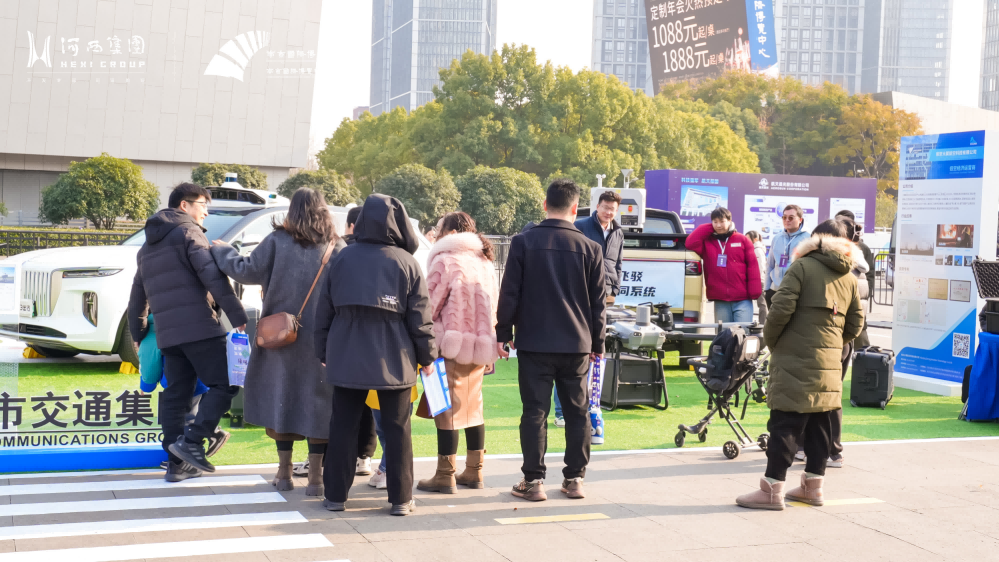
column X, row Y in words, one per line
column 458, row 242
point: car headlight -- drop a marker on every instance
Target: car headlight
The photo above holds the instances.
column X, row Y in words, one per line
column 96, row 272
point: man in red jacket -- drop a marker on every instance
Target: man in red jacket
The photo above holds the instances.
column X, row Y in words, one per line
column 731, row 272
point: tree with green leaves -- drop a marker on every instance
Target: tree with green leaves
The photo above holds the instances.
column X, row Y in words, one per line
column 508, row 111
column 367, row 150
column 427, row 195
column 334, row 187
column 100, row 189
column 501, row 200
column 885, row 209
column 214, row 174
column 870, row 137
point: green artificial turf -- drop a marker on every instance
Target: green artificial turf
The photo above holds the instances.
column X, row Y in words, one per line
column 910, row 415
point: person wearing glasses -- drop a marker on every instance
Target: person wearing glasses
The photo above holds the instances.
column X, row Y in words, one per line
column 178, row 281
column 782, row 248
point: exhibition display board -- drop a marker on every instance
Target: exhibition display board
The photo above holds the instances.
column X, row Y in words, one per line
column 757, row 201
column 948, row 214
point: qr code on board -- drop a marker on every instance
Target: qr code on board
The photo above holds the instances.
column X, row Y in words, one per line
column 962, row 346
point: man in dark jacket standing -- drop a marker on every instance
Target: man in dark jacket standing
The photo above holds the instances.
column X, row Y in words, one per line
column 373, row 327
column 554, row 295
column 604, row 230
column 180, row 283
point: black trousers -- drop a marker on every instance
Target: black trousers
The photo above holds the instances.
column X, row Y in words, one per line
column 367, row 439
column 537, row 372
column 341, row 454
column 768, row 295
column 185, row 364
column 787, row 429
column 836, row 447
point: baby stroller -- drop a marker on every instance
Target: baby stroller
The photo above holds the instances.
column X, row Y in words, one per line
column 735, row 362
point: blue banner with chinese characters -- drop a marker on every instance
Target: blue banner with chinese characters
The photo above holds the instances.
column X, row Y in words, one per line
column 78, row 418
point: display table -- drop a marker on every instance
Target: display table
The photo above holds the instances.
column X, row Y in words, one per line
column 983, row 387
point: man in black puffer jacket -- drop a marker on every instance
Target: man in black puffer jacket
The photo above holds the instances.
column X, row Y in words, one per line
column 177, row 280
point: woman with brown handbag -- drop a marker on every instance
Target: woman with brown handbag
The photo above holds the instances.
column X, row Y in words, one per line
column 461, row 279
column 285, row 390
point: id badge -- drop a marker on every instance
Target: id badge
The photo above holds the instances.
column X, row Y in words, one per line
column 722, row 260
column 783, row 261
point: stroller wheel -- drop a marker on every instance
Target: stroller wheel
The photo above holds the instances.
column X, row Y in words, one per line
column 763, row 441
column 678, row 440
column 731, row 449
column 703, row 436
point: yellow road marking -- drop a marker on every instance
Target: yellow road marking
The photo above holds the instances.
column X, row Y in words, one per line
column 828, row 503
column 551, row 518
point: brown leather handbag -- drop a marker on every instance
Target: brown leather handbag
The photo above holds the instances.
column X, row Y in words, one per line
column 281, row 329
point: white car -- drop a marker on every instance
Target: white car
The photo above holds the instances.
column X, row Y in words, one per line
column 75, row 300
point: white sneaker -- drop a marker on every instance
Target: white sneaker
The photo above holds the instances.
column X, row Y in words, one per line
column 378, row 480
column 559, row 421
column 799, row 456
column 300, row 469
column 363, row 466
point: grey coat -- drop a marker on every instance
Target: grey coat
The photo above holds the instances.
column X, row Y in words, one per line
column 285, row 388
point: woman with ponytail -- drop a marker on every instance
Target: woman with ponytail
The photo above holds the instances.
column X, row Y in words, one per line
column 463, row 296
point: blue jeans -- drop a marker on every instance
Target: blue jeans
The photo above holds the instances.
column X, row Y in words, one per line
column 736, row 311
column 558, row 405
column 377, row 414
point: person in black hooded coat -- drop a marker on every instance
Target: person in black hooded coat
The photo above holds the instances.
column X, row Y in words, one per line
column 373, row 327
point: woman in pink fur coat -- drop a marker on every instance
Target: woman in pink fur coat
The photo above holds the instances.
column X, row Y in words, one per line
column 463, row 295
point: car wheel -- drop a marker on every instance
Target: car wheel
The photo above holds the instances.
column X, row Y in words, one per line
column 125, row 348
column 53, row 353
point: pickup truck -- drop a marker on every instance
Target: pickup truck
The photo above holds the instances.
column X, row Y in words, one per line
column 658, row 268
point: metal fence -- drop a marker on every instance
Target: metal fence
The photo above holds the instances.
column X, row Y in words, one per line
column 882, row 292
column 501, row 248
column 18, row 241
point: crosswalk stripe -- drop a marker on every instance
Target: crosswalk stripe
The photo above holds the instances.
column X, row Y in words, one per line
column 149, row 525
column 49, row 508
column 151, row 484
column 171, row 549
column 80, row 474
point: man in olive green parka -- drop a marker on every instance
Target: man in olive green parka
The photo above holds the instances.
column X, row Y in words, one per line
column 816, row 311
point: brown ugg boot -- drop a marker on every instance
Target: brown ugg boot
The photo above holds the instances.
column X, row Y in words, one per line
column 472, row 475
column 315, row 486
column 443, row 479
column 282, row 480
column 769, row 496
column 809, row 492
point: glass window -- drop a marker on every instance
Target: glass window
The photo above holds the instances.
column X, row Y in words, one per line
column 851, row 40
column 840, row 17
column 854, row 17
column 840, row 62
column 621, row 28
column 631, row 52
column 827, row 64
column 632, row 28
column 840, row 40
column 851, row 63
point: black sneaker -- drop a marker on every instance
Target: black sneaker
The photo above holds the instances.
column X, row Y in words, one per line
column 165, row 465
column 191, row 453
column 182, row 471
column 216, row 441
column 403, row 508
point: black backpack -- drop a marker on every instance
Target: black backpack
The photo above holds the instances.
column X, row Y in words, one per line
column 723, row 356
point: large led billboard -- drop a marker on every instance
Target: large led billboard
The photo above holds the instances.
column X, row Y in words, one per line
column 697, row 39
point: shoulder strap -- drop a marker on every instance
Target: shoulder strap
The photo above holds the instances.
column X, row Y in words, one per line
column 326, row 259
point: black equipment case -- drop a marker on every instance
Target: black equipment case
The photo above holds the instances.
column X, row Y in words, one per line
column 632, row 380
column 873, row 381
column 987, row 279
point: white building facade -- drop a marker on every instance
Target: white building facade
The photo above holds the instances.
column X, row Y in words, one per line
column 167, row 84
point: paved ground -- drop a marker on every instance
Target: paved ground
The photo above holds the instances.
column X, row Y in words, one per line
column 918, row 501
